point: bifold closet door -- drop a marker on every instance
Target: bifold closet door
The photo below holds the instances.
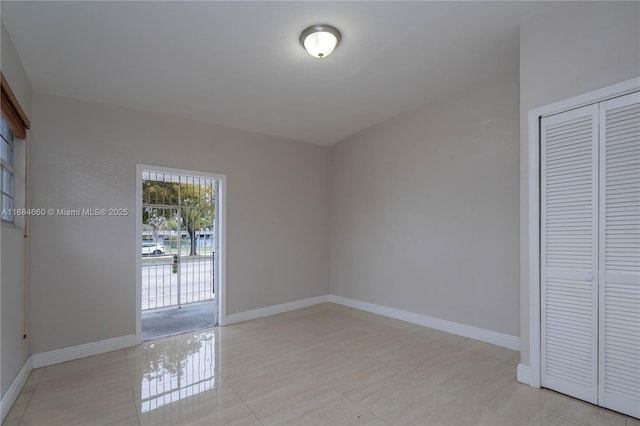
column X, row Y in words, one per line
column 569, row 252
column 619, row 366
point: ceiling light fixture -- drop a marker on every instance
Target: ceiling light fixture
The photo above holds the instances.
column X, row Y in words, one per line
column 320, row 40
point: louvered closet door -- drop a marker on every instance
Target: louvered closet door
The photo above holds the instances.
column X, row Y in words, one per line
column 569, row 250
column 620, row 254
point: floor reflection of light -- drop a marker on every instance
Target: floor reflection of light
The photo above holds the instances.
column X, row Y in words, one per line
column 179, row 371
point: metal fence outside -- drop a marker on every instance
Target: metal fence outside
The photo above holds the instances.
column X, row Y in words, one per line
column 178, row 240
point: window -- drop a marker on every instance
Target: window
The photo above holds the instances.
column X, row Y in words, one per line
column 6, row 172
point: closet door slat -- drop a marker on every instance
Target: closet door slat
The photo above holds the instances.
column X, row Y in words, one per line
column 619, row 259
column 569, row 252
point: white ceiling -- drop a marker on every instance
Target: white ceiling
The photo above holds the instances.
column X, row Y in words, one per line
column 240, row 64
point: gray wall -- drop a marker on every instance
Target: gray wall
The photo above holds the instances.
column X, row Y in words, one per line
column 424, row 210
column 85, row 155
column 14, row 350
column 577, row 48
column 14, row 72
column 423, row 213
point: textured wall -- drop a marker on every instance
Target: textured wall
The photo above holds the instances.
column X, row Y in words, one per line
column 424, row 211
column 576, row 48
column 14, row 349
column 85, row 155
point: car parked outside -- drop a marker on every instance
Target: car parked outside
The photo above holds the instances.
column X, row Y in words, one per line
column 151, row 248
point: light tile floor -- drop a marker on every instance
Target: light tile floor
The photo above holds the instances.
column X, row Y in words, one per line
column 322, row 365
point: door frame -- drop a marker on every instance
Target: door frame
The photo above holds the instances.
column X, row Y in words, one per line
column 220, row 260
column 533, row 218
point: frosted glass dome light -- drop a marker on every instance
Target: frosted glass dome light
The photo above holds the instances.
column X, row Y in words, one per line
column 320, row 40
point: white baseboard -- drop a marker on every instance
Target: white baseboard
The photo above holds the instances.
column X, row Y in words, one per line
column 524, row 374
column 488, row 336
column 81, row 351
column 275, row 309
column 14, row 390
